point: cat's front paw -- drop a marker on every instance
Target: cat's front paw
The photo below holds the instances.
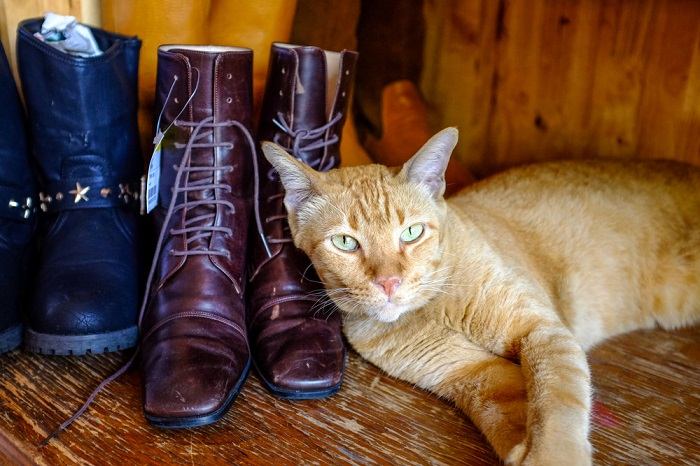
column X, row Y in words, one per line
column 516, row 455
column 556, row 455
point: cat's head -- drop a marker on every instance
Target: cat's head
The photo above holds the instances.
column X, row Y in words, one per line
column 374, row 234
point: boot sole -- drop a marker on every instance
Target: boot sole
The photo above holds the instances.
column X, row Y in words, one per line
column 11, row 338
column 203, row 420
column 78, row 345
column 297, row 395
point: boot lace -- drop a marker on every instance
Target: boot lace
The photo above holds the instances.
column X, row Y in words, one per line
column 299, row 140
column 195, row 228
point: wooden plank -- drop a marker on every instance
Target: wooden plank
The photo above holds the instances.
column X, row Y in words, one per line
column 647, row 397
column 545, row 71
column 459, row 72
column 537, row 80
column 669, row 111
column 373, row 420
column 647, row 392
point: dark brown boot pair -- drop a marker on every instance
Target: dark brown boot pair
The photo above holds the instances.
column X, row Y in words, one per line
column 227, row 285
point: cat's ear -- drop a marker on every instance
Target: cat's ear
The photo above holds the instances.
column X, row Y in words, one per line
column 428, row 166
column 299, row 180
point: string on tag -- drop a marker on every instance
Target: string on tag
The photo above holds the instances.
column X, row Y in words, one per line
column 160, row 134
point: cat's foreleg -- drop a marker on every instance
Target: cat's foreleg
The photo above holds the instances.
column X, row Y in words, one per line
column 488, row 388
column 559, row 391
column 491, row 391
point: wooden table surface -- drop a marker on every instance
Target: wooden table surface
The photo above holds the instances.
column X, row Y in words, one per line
column 647, row 412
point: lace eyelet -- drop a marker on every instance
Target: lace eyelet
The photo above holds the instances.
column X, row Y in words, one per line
column 229, row 76
column 229, row 100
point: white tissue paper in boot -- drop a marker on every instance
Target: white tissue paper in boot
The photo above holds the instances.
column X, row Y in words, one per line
column 67, row 35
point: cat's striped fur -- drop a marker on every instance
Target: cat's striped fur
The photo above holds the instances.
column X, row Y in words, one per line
column 512, row 279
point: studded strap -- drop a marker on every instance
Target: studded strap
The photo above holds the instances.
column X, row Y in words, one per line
column 16, row 204
column 89, row 193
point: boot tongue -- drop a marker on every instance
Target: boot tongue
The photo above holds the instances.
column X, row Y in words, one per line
column 310, row 91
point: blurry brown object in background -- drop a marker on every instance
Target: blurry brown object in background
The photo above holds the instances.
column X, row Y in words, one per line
column 405, row 128
column 351, row 151
column 392, row 115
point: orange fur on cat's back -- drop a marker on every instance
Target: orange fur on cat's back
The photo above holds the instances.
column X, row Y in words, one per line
column 616, row 245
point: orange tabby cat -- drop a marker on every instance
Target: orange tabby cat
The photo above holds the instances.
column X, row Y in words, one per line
column 490, row 298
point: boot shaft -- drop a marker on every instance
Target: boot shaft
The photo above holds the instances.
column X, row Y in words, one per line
column 204, row 103
column 306, row 101
column 14, row 160
column 305, row 105
column 82, row 110
column 199, row 82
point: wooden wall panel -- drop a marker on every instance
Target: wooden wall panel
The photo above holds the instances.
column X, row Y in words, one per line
column 565, row 78
column 669, row 111
column 458, row 71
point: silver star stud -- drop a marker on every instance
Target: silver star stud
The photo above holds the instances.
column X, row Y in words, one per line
column 79, row 193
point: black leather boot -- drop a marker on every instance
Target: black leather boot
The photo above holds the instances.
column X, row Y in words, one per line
column 82, row 114
column 17, row 209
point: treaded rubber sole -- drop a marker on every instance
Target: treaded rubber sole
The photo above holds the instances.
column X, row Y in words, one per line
column 294, row 395
column 203, row 420
column 10, row 338
column 78, row 345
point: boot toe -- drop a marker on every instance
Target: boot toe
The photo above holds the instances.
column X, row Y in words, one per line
column 191, row 381
column 307, row 367
column 75, row 302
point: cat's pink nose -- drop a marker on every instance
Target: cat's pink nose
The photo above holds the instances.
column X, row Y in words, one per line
column 388, row 284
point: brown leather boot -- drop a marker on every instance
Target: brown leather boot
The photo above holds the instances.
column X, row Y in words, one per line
column 295, row 330
column 195, row 350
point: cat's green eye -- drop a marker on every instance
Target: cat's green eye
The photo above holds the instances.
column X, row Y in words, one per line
column 412, row 233
column 345, row 242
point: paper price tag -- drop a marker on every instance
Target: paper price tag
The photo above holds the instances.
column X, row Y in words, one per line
column 153, row 182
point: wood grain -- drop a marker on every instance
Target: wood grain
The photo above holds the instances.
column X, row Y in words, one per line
column 647, row 392
column 535, row 80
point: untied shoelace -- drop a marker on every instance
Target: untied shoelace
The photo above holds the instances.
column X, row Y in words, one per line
column 194, row 228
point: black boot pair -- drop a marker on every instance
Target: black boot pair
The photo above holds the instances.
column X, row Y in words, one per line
column 82, row 291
